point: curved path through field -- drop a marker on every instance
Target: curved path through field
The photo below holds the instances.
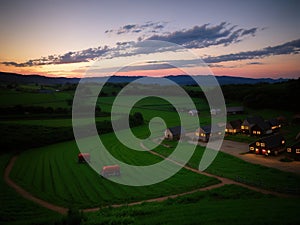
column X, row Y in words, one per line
column 63, row 210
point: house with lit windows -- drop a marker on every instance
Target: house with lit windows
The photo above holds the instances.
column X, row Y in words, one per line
column 294, row 151
column 274, row 124
column 204, row 133
column 174, row 133
column 270, row 145
column 233, row 127
column 255, row 125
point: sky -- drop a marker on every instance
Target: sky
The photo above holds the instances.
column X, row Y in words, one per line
column 258, row 38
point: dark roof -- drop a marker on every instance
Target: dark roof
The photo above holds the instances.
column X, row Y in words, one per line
column 208, row 128
column 234, row 124
column 273, row 140
column 176, row 130
column 296, row 145
column 259, row 121
column 235, row 109
column 273, row 122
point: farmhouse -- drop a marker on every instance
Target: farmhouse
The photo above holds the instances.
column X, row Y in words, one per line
column 205, row 133
column 84, row 157
column 255, row 125
column 193, row 112
column 294, row 151
column 274, row 124
column 268, row 145
column 174, row 133
column 113, row 170
column 233, row 127
column 235, row 110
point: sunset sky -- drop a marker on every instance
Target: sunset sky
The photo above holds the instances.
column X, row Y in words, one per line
column 64, row 38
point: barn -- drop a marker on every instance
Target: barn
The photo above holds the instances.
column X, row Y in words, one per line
column 112, row 170
column 174, row 133
column 294, row 151
column 233, row 127
column 272, row 144
column 84, row 157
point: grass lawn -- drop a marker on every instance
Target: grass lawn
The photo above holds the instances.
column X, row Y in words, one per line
column 229, row 204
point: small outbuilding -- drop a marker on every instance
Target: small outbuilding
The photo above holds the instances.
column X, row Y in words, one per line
column 112, row 170
column 174, row 133
column 84, row 157
column 193, row 112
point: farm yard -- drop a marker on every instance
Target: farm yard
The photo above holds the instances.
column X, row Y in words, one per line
column 51, row 172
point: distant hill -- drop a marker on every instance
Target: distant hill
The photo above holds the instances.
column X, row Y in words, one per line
column 179, row 79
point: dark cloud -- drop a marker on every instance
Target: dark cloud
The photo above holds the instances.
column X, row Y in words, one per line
column 137, row 28
column 292, row 47
column 206, row 35
column 255, row 63
column 70, row 57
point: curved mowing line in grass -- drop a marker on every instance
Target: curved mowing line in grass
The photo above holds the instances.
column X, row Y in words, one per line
column 66, row 183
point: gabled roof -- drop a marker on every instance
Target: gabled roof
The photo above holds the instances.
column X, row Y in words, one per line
column 235, row 109
column 259, row 121
column 234, row 124
column 273, row 122
column 273, row 140
column 208, row 129
column 296, row 145
column 176, row 130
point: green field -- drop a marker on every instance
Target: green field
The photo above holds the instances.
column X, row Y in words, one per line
column 14, row 209
column 229, row 204
column 52, row 173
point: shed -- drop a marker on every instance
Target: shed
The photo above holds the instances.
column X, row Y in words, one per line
column 174, row 133
column 274, row 124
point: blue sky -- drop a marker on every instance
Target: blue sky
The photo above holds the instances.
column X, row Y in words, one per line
column 238, row 38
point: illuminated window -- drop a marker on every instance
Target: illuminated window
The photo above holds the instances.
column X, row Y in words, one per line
column 246, row 127
column 254, row 132
column 258, row 132
column 242, row 127
column 298, row 150
column 282, row 142
column 226, row 130
column 234, row 131
column 279, row 125
column 289, row 150
column 262, row 145
column 257, row 144
column 251, row 148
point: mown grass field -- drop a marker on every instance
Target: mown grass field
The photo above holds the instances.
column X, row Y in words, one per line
column 14, row 209
column 229, row 204
column 52, row 173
